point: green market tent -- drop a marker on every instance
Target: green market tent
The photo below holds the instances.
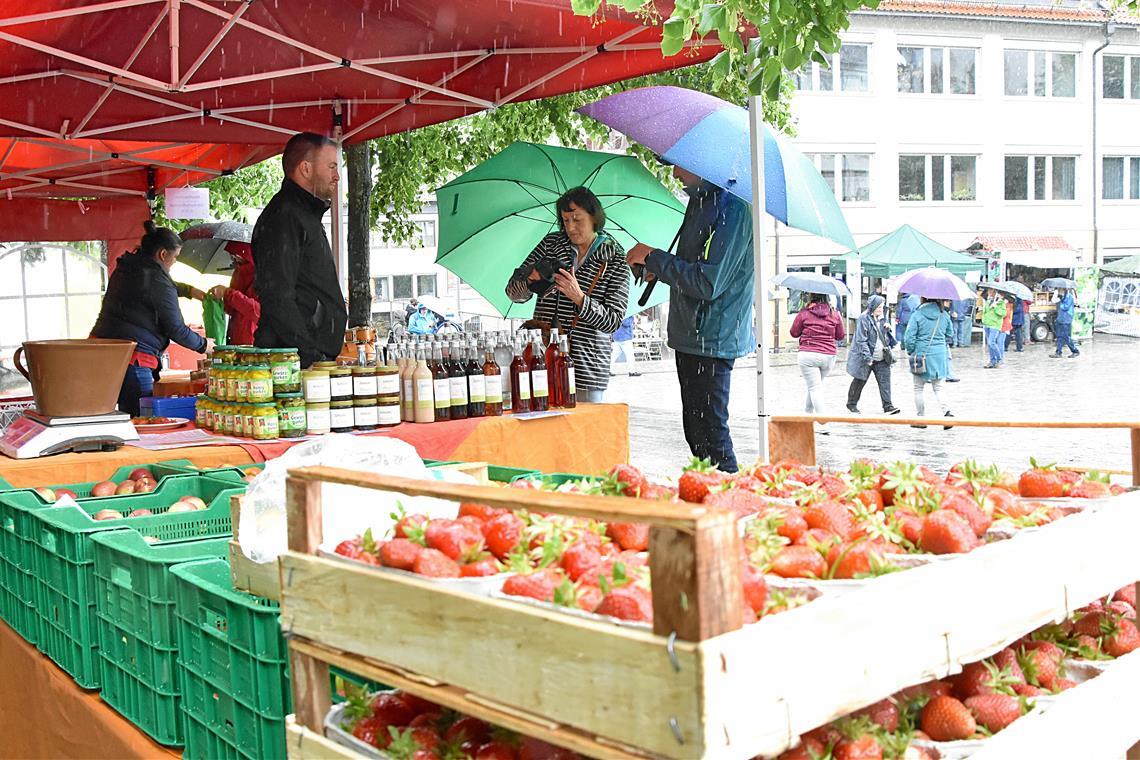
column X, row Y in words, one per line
column 903, row 250
column 1127, row 265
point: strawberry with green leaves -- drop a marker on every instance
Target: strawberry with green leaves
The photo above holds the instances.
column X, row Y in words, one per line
column 994, row 712
column 698, row 479
column 452, row 537
column 632, row 481
column 629, row 536
column 1041, row 482
column 540, row 584
column 400, row 553
column 946, row 719
column 947, row 532
column 628, row 602
column 503, row 534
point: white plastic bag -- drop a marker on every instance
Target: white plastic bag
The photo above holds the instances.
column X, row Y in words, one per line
column 348, row 510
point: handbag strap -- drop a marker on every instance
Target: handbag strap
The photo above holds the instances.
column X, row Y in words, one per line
column 930, row 342
column 593, row 284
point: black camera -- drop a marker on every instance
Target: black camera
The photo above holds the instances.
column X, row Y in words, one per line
column 546, row 268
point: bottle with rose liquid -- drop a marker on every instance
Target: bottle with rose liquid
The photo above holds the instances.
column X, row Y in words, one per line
column 520, row 380
column 539, row 379
column 553, row 370
column 566, row 368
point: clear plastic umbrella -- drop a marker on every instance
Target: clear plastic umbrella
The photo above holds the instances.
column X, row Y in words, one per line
column 1015, row 289
column 1058, row 283
column 811, row 282
column 204, row 245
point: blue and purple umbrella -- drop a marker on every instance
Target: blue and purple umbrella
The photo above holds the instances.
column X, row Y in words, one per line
column 933, row 283
column 710, row 138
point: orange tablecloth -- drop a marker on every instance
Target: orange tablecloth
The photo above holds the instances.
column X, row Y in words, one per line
column 587, row 440
column 43, row 714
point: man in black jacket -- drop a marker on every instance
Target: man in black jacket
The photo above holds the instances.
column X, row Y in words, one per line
column 301, row 302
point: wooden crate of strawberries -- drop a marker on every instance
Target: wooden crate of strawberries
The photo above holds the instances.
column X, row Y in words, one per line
column 701, row 682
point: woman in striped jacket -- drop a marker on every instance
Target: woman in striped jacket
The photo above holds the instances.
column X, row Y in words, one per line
column 590, row 290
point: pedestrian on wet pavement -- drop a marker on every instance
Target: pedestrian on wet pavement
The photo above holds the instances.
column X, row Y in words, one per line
column 927, row 340
column 1063, row 325
column 818, row 327
column 906, row 306
column 947, row 307
column 623, row 348
column 962, row 314
column 870, row 353
column 1017, row 323
column 993, row 315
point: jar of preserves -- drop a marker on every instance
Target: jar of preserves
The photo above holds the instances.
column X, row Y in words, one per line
column 364, row 382
column 317, row 418
column 286, row 366
column 246, row 414
column 259, row 356
column 315, row 383
column 260, row 383
column 241, row 384
column 207, row 408
column 228, row 418
column 323, row 365
column 341, row 417
column 212, row 382
column 265, row 421
column 227, row 386
column 222, row 355
column 200, row 410
column 364, row 413
column 291, row 421
column 387, row 381
column 243, row 355
column 340, row 383
column 388, row 410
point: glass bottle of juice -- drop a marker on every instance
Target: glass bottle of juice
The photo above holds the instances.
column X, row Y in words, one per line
column 458, row 372
column 520, row 381
column 492, row 379
column 442, row 385
column 476, row 383
column 422, row 390
column 553, row 370
column 539, row 379
column 566, row 367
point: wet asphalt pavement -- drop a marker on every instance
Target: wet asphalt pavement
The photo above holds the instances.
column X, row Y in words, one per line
column 1103, row 383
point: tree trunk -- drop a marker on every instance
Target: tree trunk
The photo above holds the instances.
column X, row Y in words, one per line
column 359, row 165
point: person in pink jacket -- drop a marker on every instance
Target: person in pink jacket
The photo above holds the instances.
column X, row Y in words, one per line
column 818, row 327
column 240, row 299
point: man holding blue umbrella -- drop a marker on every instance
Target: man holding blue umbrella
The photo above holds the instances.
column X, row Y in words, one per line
column 710, row 279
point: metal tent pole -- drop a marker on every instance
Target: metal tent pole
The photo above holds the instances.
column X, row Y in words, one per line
column 760, row 292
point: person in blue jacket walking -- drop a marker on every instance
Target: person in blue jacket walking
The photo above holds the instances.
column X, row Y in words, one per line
column 710, row 308
column 907, row 305
column 1063, row 325
column 928, row 336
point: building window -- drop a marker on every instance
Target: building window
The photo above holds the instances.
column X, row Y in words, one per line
column 425, row 285
column 402, row 286
column 849, row 67
column 427, row 232
column 1120, row 178
column 938, row 178
column 937, row 70
column 1040, row 178
column 380, row 291
column 1039, row 74
column 847, row 174
column 1120, row 76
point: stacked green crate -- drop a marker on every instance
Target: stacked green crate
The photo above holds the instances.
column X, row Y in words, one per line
column 63, row 560
column 233, row 665
column 237, row 473
column 138, row 641
column 17, row 588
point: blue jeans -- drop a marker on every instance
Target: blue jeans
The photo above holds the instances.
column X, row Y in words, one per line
column 962, row 329
column 900, row 331
column 1064, row 333
column 704, row 408
column 1017, row 335
column 139, row 382
column 995, row 339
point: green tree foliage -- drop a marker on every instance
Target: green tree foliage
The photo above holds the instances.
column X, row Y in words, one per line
column 232, row 195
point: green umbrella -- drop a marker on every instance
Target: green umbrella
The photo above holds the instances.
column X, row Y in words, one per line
column 492, row 217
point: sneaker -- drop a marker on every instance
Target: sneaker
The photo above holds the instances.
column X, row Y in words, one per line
column 923, row 427
column 1074, row 356
column 892, row 410
column 1054, row 356
column 953, row 379
column 947, row 427
column 635, row 374
column 989, row 366
column 853, row 409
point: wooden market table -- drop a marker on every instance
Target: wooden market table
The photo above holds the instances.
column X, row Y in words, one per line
column 43, row 714
column 586, row 440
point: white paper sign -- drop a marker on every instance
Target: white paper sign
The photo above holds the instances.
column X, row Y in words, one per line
column 188, row 203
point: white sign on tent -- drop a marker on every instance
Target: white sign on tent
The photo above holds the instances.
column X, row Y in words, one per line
column 188, row 203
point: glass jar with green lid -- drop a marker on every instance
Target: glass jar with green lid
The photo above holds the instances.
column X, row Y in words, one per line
column 243, row 355
column 260, row 383
column 200, row 410
column 212, row 382
column 364, row 413
column 247, row 420
column 341, row 416
column 207, row 407
column 241, row 384
column 230, row 373
column 223, row 355
column 388, row 410
column 291, row 421
column 340, row 383
column 286, row 365
column 265, row 421
column 228, row 418
column 261, row 356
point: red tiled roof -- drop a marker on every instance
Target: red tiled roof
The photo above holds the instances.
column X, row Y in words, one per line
column 995, row 10
column 1022, row 243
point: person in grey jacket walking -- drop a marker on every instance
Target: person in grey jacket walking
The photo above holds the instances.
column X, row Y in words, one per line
column 870, row 354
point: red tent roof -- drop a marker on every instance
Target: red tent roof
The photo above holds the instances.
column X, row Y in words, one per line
column 254, row 73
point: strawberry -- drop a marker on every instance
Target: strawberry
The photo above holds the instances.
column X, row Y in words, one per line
column 452, row 537
column 435, row 564
column 927, row 689
column 738, row 501
column 1001, row 503
column 790, row 520
column 655, row 492
column 817, row 537
column 349, row 548
column 945, row 719
column 1123, row 639
column 536, row 749
column 1039, row 667
column 495, row 750
column 1122, row 609
column 418, row 705
column 809, row 748
column 1006, row 660
column 628, row 603
column 503, row 533
column 579, row 559
column 480, row 511
column 588, row 597
column 863, row 748
column 537, row 585
column 1126, row 594
column 400, row 553
column 994, row 711
column 481, row 567
column 389, row 709
column 1055, row 653
column 871, row 499
column 1041, row 482
column 1063, row 684
column 754, row 586
column 946, row 532
column 467, row 729
column 855, row 559
column 1027, row 690
column 883, row 713
column 430, row 720
column 909, row 524
column 966, row 507
column 629, row 536
column 979, row 678
column 831, row 516
column 369, row 729
column 697, row 480
column 798, row 562
column 407, row 525
column 1090, row 489
column 632, row 480
column 1090, row 624
column 1088, row 646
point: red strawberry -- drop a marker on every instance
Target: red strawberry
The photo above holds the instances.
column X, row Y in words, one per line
column 588, row 597
column 929, row 689
column 427, row 720
column 863, row 748
column 832, row 517
column 452, row 537
column 1089, row 643
column 419, row 705
column 466, row 729
column 579, row 559
column 974, row 680
column 1041, row 483
column 884, row 713
column 755, row 587
column 946, row 532
column 696, row 482
column 656, row 492
column 1055, row 653
column 480, row 511
column 629, row 536
column 536, row 749
column 537, row 585
column 389, row 709
column 871, row 499
column 1126, row 594
column 1063, row 684
column 994, row 711
column 1001, row 503
column 503, row 533
column 817, row 536
column 1123, row 640
column 738, row 501
column 810, row 748
column 798, row 562
column 792, row 524
column 945, row 719
column 406, row 527
column 1006, row 660
column 479, row 568
column 909, row 524
column 628, row 603
column 495, row 750
column 973, row 514
column 630, row 477
column 369, row 729
column 400, row 553
column 349, row 548
column 1039, row 667
column 855, row 559
column 435, row 564
column 1027, row 690
column 1090, row 489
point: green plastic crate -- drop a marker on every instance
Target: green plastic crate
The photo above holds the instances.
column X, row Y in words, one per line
column 499, row 474
column 554, row 478
column 235, row 474
column 160, row 470
column 5, row 485
column 233, row 664
column 63, row 561
column 153, row 711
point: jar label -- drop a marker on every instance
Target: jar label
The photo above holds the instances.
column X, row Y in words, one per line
column 231, row 388
column 317, row 421
column 364, row 416
column 317, row 389
column 265, row 426
column 423, row 393
column 442, row 393
column 261, row 390
column 297, row 419
column 209, row 418
column 459, row 391
column 242, row 389
column 341, row 386
column 246, row 425
column 494, row 390
column 341, row 418
column 364, row 385
column 538, row 382
column 387, row 385
column 280, row 373
column 477, row 384
column 524, row 386
column 388, row 415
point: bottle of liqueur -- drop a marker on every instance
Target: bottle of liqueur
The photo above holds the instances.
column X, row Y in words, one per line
column 441, row 382
column 492, row 380
column 566, row 367
column 458, row 371
column 539, row 380
column 476, row 384
column 520, row 381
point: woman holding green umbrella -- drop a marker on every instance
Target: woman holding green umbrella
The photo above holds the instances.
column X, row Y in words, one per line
column 582, row 283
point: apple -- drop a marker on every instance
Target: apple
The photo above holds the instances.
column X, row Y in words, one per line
column 126, row 487
column 107, row 514
column 61, row 492
column 104, row 488
column 139, row 473
column 181, row 506
column 140, row 513
column 194, row 502
column 144, row 485
column 47, row 494
column 151, row 539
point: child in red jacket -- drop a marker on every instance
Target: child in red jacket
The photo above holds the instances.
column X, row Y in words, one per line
column 239, row 298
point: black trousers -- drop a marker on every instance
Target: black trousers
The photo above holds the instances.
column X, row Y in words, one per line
column 882, row 372
column 704, row 408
